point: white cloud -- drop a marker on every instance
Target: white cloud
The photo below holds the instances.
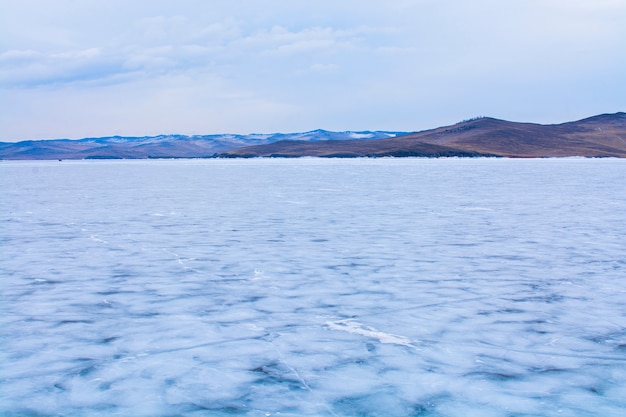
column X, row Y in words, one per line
column 199, row 48
column 34, row 68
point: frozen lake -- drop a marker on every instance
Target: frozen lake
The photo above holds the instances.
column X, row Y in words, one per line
column 313, row 287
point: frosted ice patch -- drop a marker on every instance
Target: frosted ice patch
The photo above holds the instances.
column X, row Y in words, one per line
column 475, row 209
column 95, row 238
column 355, row 327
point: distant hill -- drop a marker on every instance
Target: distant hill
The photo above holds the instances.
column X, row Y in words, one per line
column 166, row 146
column 598, row 136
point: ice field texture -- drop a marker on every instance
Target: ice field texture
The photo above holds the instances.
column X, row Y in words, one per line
column 313, row 287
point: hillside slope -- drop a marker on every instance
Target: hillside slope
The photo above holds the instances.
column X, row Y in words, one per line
column 598, row 136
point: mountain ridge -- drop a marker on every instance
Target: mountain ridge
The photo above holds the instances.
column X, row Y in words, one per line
column 165, row 146
column 602, row 135
column 596, row 136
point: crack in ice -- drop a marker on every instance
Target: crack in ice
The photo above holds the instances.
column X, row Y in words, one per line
column 355, row 327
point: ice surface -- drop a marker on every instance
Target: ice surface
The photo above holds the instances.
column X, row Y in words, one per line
column 313, row 287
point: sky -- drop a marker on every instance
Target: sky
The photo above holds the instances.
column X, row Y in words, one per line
column 91, row 68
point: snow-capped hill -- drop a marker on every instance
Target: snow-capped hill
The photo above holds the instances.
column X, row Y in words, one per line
column 356, row 135
column 320, row 135
column 165, row 146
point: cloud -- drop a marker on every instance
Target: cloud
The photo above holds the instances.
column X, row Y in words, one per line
column 159, row 45
column 151, row 50
column 280, row 41
column 30, row 68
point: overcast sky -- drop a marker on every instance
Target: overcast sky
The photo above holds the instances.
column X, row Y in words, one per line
column 85, row 68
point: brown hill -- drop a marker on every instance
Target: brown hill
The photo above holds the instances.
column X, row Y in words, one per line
column 598, row 136
column 348, row 149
